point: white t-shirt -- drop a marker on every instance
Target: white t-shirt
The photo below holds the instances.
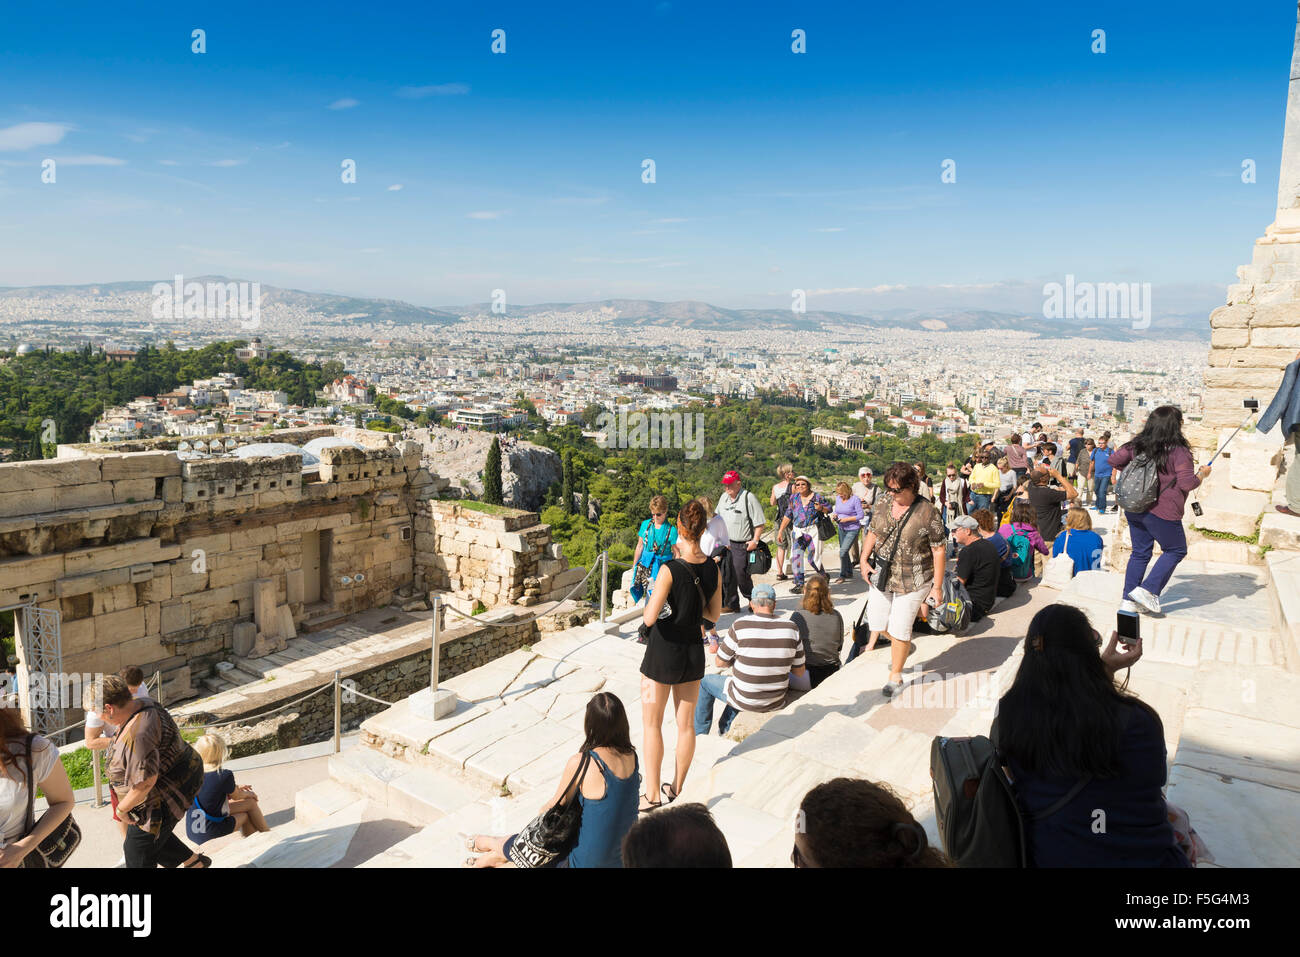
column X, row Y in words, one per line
column 13, row 784
column 95, row 720
column 715, row 534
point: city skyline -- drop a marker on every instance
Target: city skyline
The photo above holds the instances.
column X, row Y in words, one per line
column 775, row 170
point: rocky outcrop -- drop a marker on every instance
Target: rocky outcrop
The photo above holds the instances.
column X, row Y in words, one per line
column 527, row 470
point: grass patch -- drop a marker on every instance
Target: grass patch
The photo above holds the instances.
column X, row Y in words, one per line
column 1252, row 539
column 474, row 506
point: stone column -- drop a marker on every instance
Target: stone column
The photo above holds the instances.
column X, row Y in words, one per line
column 1257, row 333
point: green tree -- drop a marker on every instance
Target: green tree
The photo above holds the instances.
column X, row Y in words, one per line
column 492, row 493
column 566, row 491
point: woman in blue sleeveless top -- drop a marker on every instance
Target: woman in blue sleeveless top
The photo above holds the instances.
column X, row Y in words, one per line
column 609, row 793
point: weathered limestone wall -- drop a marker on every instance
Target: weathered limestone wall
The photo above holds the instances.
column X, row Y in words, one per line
column 176, row 565
column 497, row 558
column 390, row 678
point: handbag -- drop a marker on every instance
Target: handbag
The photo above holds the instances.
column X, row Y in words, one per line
column 883, row 566
column 760, row 559
column 862, row 634
column 552, row 835
column 825, row 527
column 1059, row 569
column 57, row 846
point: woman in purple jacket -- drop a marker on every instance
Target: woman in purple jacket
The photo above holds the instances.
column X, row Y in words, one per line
column 1162, row 440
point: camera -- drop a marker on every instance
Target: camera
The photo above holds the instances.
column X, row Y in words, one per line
column 1252, row 404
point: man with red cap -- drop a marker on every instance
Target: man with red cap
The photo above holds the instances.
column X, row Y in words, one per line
column 745, row 519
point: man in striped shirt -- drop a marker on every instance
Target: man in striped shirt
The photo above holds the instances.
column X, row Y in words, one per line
column 763, row 650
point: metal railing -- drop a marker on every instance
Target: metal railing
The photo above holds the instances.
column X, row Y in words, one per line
column 336, row 686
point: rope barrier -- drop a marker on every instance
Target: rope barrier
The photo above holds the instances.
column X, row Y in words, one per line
column 537, row 616
column 255, row 718
column 362, row 694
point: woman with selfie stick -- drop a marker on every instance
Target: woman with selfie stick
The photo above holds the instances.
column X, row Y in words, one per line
column 1162, row 441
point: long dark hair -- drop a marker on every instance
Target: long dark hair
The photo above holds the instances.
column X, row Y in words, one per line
column 606, row 724
column 1162, row 434
column 11, row 729
column 1061, row 715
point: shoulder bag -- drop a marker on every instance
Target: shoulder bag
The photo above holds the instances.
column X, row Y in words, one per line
column 883, row 566
column 57, row 846
column 552, row 835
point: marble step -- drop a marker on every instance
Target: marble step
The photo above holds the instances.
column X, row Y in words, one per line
column 421, row 795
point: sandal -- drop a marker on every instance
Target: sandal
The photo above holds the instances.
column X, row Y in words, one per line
column 668, row 792
column 202, row 863
column 649, row 804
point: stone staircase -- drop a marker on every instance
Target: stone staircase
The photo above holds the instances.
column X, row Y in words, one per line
column 1211, row 669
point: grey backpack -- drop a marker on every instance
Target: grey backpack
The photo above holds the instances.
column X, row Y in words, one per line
column 1138, row 487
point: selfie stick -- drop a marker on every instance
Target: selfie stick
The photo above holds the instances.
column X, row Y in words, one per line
column 1253, row 413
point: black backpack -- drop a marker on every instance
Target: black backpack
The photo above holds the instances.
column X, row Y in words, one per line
column 1138, row 488
column 980, row 821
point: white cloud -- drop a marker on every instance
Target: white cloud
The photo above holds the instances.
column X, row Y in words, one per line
column 26, row 135
column 395, row 187
column 670, row 219
column 485, row 214
column 168, row 163
column 854, row 289
column 89, row 159
column 226, row 162
column 438, row 89
column 830, row 229
column 344, row 104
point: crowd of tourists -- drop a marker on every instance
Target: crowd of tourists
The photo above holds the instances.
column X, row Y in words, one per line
column 1071, row 737
column 156, row 779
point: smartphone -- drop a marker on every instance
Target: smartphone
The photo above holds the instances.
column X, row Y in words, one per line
column 1127, row 624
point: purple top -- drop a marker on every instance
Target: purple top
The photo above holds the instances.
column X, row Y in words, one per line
column 1177, row 478
column 851, row 513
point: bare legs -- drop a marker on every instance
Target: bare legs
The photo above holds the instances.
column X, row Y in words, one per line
column 654, row 702
column 248, row 816
column 654, row 699
column 684, row 698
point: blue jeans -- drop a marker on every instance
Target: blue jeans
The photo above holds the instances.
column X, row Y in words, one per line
column 1103, row 485
column 713, row 688
column 980, row 501
column 1146, row 529
column 847, row 541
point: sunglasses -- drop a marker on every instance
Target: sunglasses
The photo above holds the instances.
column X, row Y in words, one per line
column 658, row 514
column 893, row 488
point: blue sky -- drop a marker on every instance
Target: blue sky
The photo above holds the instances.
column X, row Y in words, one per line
column 522, row 171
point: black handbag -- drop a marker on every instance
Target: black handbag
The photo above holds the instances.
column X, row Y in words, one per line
column 760, row 559
column 551, row 836
column 58, row 846
column 825, row 527
column 883, row 566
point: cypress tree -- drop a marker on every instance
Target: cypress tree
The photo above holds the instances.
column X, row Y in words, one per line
column 566, row 492
column 586, row 503
column 492, row 493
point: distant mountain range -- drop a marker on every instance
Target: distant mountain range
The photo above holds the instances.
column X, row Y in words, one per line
column 685, row 314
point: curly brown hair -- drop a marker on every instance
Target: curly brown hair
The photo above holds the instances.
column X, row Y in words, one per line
column 904, row 476
column 848, row 822
column 691, row 521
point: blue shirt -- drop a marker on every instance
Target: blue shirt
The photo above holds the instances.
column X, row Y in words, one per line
column 1102, row 459
column 1004, row 549
column 1082, row 546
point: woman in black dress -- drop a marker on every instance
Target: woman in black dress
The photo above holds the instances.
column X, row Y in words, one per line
column 687, row 592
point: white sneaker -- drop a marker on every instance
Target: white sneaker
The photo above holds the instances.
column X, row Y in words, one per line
column 1147, row 600
column 1127, row 607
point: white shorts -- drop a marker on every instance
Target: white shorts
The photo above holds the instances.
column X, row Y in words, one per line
column 894, row 613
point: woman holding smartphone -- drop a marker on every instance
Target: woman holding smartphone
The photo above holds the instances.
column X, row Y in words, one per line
column 1075, row 742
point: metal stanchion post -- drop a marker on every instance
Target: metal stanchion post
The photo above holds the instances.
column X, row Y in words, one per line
column 604, row 582
column 99, row 778
column 338, row 712
column 433, row 662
